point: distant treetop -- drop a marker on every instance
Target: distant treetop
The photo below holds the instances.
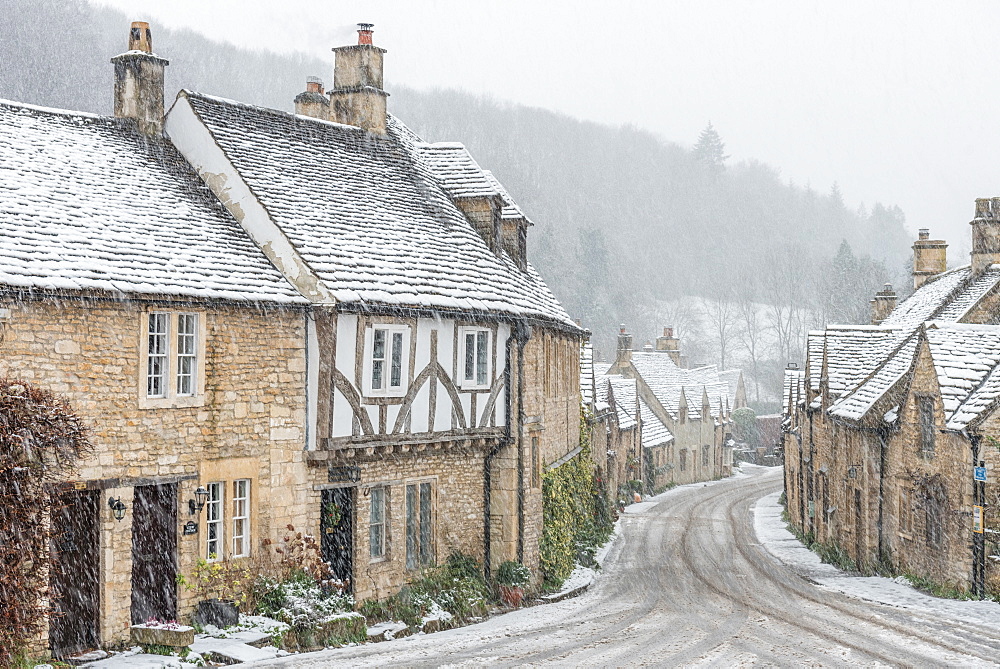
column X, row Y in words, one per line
column 710, row 150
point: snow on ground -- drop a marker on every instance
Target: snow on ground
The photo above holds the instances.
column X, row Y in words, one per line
column 782, row 544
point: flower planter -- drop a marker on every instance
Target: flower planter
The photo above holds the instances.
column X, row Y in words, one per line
column 218, row 612
column 175, row 636
column 512, row 594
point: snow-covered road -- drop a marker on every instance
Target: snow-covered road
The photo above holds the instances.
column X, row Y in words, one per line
column 688, row 582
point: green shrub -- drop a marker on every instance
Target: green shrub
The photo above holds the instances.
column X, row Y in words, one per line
column 456, row 588
column 576, row 515
column 513, row 574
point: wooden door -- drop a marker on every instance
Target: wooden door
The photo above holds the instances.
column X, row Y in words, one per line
column 154, row 553
column 859, row 528
column 75, row 578
column 337, row 533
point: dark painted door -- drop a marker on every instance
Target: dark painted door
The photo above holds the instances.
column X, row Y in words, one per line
column 337, row 532
column 73, row 626
column 859, row 528
column 154, row 553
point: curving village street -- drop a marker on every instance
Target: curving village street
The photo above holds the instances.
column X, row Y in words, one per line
column 686, row 583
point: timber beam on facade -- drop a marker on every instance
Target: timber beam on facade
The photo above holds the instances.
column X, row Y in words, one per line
column 374, row 448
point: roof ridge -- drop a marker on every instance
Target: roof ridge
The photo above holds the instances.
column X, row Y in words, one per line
column 54, row 111
column 954, row 293
column 878, row 368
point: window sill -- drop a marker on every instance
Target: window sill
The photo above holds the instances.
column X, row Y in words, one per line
column 379, row 560
column 172, row 402
column 475, row 388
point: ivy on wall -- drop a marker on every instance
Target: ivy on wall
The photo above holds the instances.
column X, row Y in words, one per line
column 576, row 514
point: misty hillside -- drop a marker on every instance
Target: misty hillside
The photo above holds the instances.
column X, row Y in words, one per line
column 630, row 227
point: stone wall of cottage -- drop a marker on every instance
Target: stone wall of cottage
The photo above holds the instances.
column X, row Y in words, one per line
column 248, row 423
column 456, row 477
column 550, row 430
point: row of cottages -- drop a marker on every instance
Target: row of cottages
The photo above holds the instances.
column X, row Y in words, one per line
column 885, row 423
column 316, row 318
column 660, row 422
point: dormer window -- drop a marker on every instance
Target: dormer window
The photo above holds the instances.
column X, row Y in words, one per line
column 475, row 356
column 387, row 360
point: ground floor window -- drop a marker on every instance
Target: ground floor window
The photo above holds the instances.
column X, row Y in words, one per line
column 241, row 518
column 377, row 522
column 419, row 532
column 905, row 512
column 684, row 459
column 704, row 456
column 213, row 521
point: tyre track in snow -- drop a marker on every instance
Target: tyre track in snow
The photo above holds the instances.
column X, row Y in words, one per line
column 687, row 583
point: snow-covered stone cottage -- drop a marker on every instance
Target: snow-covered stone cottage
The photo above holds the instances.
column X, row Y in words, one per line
column 682, row 414
column 315, row 319
column 886, row 422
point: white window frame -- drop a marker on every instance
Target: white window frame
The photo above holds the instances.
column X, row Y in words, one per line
column 178, row 348
column 378, row 525
column 241, row 519
column 369, row 369
column 215, row 518
column 157, row 354
column 186, row 371
column 481, row 360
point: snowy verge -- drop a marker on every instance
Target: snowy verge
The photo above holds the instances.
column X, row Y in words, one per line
column 782, row 544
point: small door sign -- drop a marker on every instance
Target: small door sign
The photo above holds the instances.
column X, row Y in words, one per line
column 190, row 527
column 979, row 473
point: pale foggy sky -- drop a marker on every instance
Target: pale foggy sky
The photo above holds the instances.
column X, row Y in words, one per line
column 895, row 101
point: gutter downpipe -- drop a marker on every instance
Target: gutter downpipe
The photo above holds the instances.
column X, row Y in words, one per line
column 978, row 539
column 488, row 470
column 523, row 333
column 883, row 459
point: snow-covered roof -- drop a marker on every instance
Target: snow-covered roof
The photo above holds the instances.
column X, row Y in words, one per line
column 624, row 398
column 654, row 432
column 963, row 354
column 668, row 382
column 510, row 209
column 861, row 399
column 87, row 203
column 456, row 170
column 852, row 353
column 587, row 372
column 928, row 299
column 372, row 216
column 792, row 390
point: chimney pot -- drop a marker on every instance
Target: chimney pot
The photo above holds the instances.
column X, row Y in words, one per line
column 314, row 85
column 140, row 38
column 365, row 33
column 924, row 233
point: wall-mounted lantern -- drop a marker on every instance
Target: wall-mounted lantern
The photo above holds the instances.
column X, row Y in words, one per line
column 117, row 507
column 201, row 497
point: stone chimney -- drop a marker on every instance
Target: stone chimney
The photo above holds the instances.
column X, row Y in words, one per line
column 139, row 81
column 624, row 353
column 929, row 258
column 883, row 303
column 670, row 345
column 312, row 102
column 357, row 97
column 986, row 234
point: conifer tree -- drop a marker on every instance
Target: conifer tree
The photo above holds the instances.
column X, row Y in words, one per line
column 710, row 150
